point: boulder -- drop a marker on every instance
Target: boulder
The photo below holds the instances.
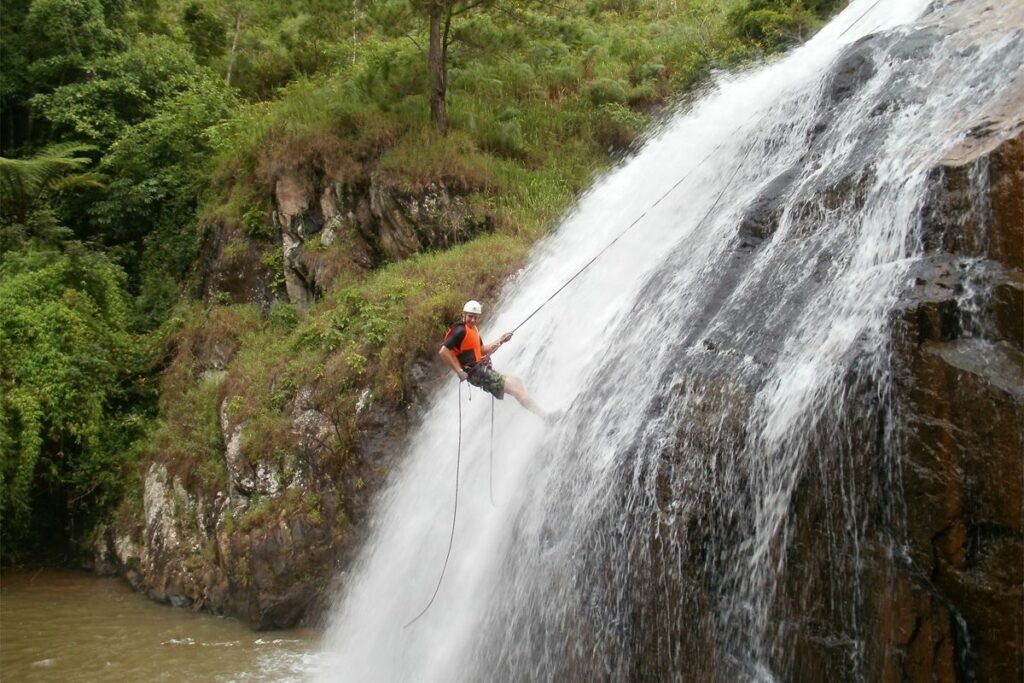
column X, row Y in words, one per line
column 854, row 69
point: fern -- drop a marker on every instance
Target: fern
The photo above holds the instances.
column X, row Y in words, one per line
column 25, row 182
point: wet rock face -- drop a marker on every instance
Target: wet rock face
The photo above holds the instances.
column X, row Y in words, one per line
column 762, row 216
column 976, row 190
column 855, row 68
column 943, row 555
column 939, row 608
column 960, row 372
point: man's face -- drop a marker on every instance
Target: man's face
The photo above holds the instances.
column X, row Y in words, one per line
column 470, row 318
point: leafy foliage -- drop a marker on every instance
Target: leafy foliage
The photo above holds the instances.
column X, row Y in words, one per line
column 123, row 88
column 62, row 35
column 67, row 350
column 775, row 24
column 160, row 168
column 205, row 31
column 26, row 184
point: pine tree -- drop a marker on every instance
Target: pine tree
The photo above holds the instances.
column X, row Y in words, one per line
column 440, row 14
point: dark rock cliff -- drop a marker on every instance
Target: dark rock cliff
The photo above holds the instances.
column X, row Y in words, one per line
column 329, row 229
column 269, row 547
column 951, row 607
column 960, row 374
column 948, row 603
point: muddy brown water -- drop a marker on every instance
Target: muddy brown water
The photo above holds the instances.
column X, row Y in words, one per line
column 64, row 626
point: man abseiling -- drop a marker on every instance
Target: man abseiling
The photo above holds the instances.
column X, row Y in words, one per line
column 470, row 359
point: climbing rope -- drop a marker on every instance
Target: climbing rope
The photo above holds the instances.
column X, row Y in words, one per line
column 857, row 20
column 641, row 217
column 668, row 192
column 490, row 477
column 455, row 512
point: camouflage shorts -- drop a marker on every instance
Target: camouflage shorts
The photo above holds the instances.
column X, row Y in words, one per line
column 488, row 379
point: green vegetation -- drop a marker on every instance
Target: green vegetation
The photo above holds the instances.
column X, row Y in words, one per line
column 69, row 420
column 774, row 24
column 132, row 133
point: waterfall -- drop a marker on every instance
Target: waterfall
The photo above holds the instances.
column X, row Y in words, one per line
column 726, row 363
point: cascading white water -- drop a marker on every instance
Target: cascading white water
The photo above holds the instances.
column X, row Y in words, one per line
column 678, row 322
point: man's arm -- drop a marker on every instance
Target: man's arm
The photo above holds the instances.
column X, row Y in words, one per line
column 491, row 348
column 448, row 353
column 449, row 357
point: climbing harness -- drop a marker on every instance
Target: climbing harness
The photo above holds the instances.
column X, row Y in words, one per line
column 455, row 512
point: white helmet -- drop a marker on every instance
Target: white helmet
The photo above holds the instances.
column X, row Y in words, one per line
column 473, row 307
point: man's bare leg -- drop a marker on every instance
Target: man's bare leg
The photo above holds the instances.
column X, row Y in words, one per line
column 514, row 388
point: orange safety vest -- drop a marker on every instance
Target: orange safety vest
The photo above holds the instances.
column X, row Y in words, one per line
column 470, row 351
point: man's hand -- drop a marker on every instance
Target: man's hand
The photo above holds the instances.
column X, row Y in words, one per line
column 505, row 337
column 463, row 375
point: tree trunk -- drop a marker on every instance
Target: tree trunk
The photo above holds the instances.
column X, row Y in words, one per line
column 438, row 72
column 8, row 130
column 234, row 47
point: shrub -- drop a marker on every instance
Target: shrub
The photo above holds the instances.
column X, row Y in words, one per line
column 283, row 315
column 67, row 350
column 775, row 24
column 606, row 90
